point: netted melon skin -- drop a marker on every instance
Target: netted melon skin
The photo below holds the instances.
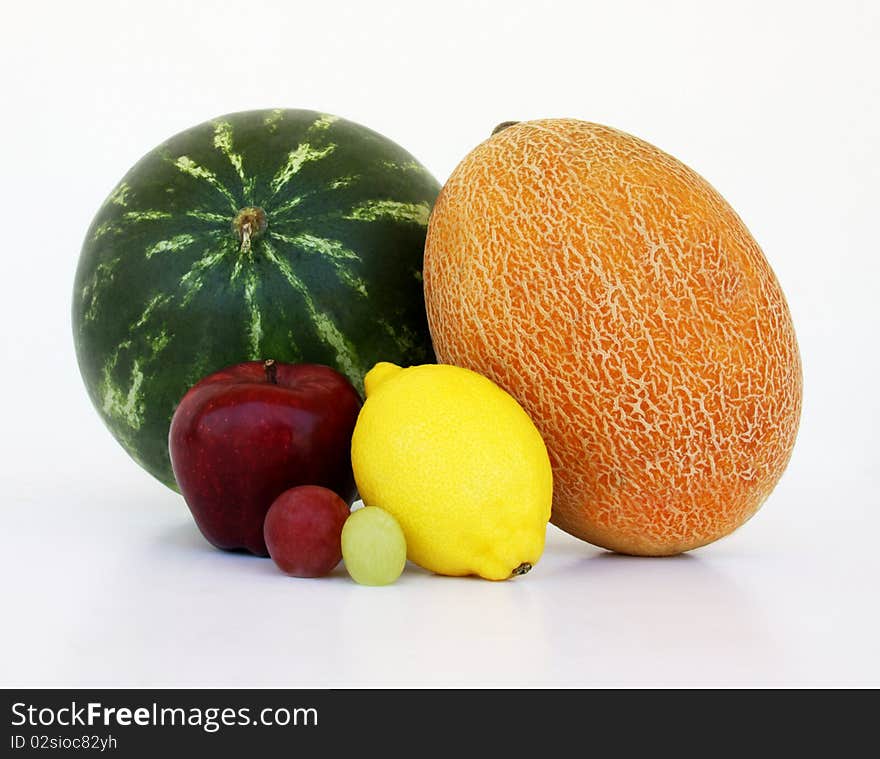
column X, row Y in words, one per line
column 623, row 302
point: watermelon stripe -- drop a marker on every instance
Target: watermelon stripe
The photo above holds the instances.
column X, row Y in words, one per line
column 343, row 181
column 128, row 404
column 295, row 160
column 371, row 210
column 132, row 217
column 192, row 281
column 323, row 246
column 119, row 194
column 346, row 355
column 117, row 404
column 237, row 269
column 404, row 342
column 188, row 166
column 398, row 166
column 173, row 244
column 281, row 213
column 138, row 216
column 156, row 301
column 334, row 251
column 322, row 123
column 101, row 277
column 223, row 142
column 272, row 120
column 208, row 216
column 278, row 213
column 255, row 325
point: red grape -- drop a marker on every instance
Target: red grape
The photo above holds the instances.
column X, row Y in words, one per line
column 303, row 530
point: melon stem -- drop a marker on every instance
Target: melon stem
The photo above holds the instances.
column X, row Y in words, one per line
column 503, row 125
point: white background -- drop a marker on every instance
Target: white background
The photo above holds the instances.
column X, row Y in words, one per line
column 106, row 580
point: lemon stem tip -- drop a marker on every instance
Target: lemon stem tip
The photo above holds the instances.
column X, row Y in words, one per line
column 521, row 569
column 378, row 374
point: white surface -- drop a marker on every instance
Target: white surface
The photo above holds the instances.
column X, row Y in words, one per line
column 105, row 579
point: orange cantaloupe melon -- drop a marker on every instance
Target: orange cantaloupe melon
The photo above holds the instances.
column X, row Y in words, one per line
column 621, row 300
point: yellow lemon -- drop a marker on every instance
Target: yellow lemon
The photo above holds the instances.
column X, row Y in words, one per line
column 459, row 464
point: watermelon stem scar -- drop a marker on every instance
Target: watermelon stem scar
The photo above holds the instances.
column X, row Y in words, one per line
column 249, row 222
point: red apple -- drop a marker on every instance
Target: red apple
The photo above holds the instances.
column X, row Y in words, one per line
column 303, row 530
column 245, row 434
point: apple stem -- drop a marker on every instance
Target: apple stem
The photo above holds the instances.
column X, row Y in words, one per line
column 271, row 370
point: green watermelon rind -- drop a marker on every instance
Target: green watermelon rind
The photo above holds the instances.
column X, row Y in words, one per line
column 166, row 290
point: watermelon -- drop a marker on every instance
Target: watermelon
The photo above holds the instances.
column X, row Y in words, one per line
column 284, row 234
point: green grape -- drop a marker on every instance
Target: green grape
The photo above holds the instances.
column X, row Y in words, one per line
column 373, row 546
